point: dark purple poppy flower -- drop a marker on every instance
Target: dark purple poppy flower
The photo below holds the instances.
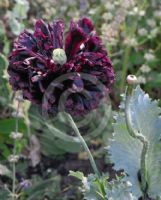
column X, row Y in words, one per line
column 41, row 58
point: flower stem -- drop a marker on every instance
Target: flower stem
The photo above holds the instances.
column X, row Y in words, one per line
column 93, row 164
column 14, row 153
column 135, row 134
column 13, row 179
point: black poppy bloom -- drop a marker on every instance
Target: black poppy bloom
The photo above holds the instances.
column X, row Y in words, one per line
column 39, row 58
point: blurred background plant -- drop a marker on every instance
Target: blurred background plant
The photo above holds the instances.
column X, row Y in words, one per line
column 131, row 31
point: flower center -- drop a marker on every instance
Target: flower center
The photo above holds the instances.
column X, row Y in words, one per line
column 59, row 56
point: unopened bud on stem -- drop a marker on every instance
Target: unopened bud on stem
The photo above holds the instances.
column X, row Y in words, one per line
column 132, row 79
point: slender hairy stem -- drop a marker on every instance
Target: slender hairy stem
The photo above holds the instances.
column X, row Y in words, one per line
column 14, row 153
column 13, row 177
column 93, row 164
column 135, row 134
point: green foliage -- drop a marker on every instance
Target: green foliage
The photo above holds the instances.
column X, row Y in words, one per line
column 4, row 194
column 38, row 190
column 15, row 25
column 93, row 187
column 3, row 82
column 2, row 29
column 119, row 190
column 53, row 139
column 101, row 188
column 6, row 127
column 20, row 9
column 124, row 146
column 78, row 175
column 126, row 151
column 41, row 189
column 4, row 171
column 57, row 137
column 17, row 15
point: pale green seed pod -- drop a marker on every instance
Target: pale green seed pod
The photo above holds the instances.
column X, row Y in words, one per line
column 59, row 56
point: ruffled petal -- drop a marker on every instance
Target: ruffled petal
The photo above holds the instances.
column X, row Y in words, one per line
column 26, row 40
column 49, row 37
column 94, row 44
column 81, row 36
column 74, row 39
column 56, row 31
column 86, row 25
column 41, row 31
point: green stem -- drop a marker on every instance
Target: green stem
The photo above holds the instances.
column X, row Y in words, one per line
column 135, row 134
column 14, row 153
column 14, row 179
column 93, row 164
